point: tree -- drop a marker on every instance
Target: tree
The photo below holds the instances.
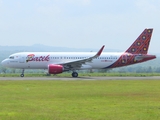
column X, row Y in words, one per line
column 13, row 70
column 3, row 69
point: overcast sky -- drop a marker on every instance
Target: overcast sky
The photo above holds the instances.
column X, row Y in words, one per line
column 78, row 23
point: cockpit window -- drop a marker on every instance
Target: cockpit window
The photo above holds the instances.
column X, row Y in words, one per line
column 11, row 57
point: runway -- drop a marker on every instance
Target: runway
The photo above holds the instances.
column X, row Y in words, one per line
column 81, row 78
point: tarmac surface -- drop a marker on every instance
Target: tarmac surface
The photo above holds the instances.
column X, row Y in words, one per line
column 81, row 78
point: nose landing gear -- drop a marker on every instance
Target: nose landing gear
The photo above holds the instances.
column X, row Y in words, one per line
column 22, row 75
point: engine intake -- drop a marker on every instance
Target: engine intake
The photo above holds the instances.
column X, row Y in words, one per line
column 55, row 69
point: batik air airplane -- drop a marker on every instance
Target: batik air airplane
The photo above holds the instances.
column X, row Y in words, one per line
column 58, row 62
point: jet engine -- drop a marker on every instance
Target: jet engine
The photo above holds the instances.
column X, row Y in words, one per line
column 55, row 69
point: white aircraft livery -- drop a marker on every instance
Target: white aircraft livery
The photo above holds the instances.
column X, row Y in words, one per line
column 58, row 62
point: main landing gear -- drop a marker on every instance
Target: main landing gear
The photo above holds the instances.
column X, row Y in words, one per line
column 22, row 75
column 74, row 74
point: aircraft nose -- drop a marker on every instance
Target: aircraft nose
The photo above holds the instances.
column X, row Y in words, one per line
column 5, row 63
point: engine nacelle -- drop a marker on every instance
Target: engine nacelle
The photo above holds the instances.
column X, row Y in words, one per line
column 55, row 69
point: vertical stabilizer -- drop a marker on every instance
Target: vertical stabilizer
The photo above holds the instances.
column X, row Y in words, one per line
column 141, row 44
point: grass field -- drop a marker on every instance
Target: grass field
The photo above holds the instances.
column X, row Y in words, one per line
column 80, row 100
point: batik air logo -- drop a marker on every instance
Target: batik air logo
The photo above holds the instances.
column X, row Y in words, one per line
column 32, row 57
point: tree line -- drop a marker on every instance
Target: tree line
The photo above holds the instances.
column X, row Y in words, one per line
column 137, row 69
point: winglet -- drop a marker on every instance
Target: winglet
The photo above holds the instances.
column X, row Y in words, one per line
column 100, row 51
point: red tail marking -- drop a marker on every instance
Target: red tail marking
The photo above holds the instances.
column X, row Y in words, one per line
column 141, row 44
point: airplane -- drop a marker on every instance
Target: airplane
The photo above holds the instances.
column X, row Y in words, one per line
column 59, row 62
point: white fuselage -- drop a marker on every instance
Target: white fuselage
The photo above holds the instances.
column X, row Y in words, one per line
column 41, row 60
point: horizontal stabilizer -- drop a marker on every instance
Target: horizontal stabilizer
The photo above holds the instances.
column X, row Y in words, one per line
column 141, row 57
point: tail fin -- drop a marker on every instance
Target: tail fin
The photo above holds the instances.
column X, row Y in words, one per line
column 141, row 44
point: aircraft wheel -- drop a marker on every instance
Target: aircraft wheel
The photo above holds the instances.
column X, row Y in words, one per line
column 22, row 75
column 74, row 74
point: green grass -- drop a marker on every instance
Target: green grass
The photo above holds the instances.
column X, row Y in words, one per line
column 80, row 100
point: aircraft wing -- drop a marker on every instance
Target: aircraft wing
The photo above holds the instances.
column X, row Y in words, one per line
column 77, row 64
column 141, row 57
